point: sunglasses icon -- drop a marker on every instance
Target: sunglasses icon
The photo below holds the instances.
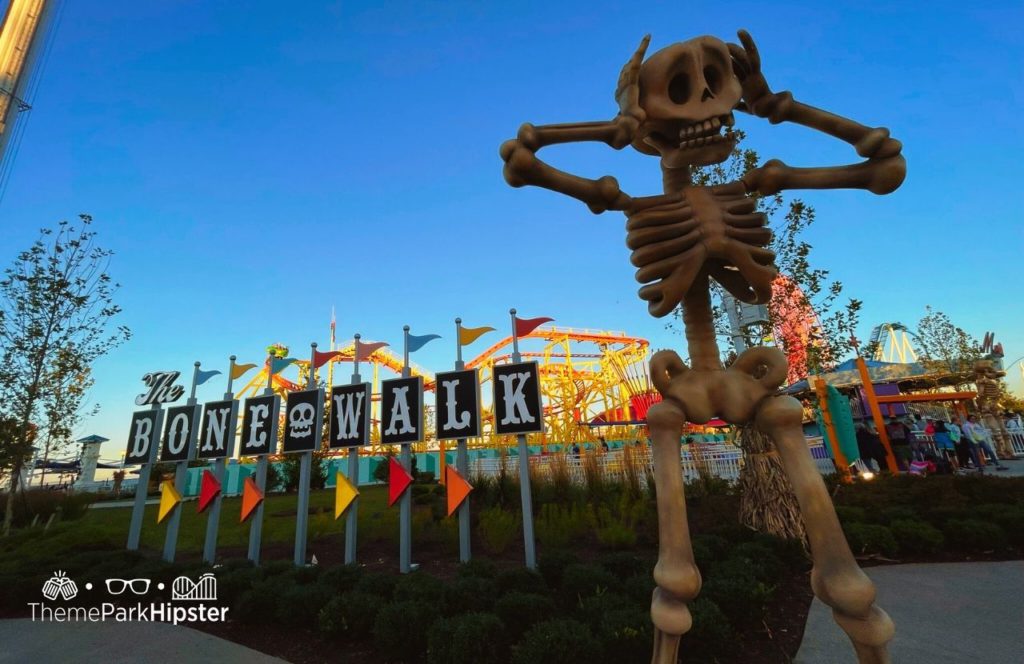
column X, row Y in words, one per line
column 118, row 586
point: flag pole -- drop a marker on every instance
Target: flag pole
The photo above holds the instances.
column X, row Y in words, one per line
column 305, row 470
column 461, row 462
column 219, row 466
column 524, row 469
column 142, row 485
column 352, row 519
column 405, row 504
column 256, row 529
column 180, row 474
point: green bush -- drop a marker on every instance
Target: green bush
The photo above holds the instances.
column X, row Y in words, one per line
column 401, row 629
column 231, row 584
column 498, row 529
column 917, row 537
column 760, row 560
column 626, row 635
column 341, row 578
column 520, row 610
column 899, row 513
column 557, row 642
column 593, row 608
column 299, row 606
column 711, row 635
column 557, row 526
column 616, row 536
column 305, row 574
column 790, row 552
column 468, row 639
column 870, row 538
column 738, row 593
column 639, row 587
column 258, row 605
column 521, row 579
column 974, row 535
column 418, row 586
column 68, row 506
column 377, row 583
column 623, row 564
column 483, row 568
column 848, row 514
column 468, row 594
column 580, row 580
column 552, row 565
column 352, row 614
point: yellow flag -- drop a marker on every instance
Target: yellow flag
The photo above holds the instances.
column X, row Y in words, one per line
column 468, row 335
column 344, row 494
column 169, row 497
column 240, row 369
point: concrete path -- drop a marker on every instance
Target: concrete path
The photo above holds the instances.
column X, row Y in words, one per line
column 945, row 613
column 110, row 642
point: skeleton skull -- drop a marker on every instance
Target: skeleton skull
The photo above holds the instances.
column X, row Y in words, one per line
column 300, row 420
column 688, row 91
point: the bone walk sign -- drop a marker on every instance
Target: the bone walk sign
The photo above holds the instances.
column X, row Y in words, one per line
column 350, row 416
column 179, row 433
column 517, row 398
column 303, row 418
column 401, row 412
column 217, row 432
column 142, row 436
column 259, row 425
column 458, row 404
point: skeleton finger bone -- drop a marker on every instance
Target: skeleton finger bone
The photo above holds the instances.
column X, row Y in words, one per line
column 836, row 579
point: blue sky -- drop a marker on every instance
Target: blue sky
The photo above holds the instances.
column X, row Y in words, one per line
column 253, row 166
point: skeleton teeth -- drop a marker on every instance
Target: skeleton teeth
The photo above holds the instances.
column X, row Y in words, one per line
column 728, row 120
column 715, row 123
column 706, row 127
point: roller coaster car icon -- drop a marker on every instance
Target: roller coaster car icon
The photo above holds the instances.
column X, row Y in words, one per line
column 202, row 590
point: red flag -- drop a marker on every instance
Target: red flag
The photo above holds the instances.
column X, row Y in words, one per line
column 526, row 325
column 367, row 349
column 399, row 480
column 209, row 489
column 320, row 359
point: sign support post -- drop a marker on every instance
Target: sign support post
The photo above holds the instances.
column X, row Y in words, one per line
column 256, row 529
column 305, row 470
column 462, row 462
column 524, row 470
column 219, row 468
column 405, row 507
column 142, row 488
column 352, row 518
column 180, row 472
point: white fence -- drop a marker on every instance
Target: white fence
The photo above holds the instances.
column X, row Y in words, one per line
column 721, row 460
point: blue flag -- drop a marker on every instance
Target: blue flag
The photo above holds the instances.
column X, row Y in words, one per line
column 417, row 342
column 278, row 364
column 203, row 376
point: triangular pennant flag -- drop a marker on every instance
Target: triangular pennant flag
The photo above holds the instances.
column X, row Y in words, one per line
column 417, row 342
column 367, row 349
column 251, row 498
column 239, row 369
column 457, row 487
column 526, row 325
column 277, row 365
column 399, row 480
column 468, row 335
column 209, row 489
column 344, row 494
column 203, row 376
column 169, row 497
column 320, row 359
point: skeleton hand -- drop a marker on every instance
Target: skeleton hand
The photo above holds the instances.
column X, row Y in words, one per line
column 627, row 94
column 757, row 97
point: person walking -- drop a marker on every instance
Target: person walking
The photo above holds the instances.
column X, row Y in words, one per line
column 944, row 443
column 870, row 447
column 979, row 435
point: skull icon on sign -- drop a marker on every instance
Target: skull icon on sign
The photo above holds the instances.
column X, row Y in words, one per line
column 300, row 420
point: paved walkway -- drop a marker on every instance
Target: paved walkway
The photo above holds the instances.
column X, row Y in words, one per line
column 945, row 613
column 109, row 642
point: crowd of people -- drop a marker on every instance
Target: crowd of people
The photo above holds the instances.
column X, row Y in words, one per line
column 960, row 446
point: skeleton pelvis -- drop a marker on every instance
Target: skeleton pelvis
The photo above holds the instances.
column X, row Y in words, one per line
column 731, row 394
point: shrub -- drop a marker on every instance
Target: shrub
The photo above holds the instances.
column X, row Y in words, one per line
column 552, row 565
column 639, row 587
column 305, row 574
column 377, row 583
column 234, row 582
column 626, row 635
column 521, row 579
column 299, row 606
column 559, row 525
column 498, row 529
column 870, row 538
column 737, row 592
column 790, row 552
column 66, row 505
column 400, row 630
column 342, row 578
column 579, row 581
column 258, row 605
column 974, row 535
column 478, row 567
column 916, row 536
column 352, row 613
column 899, row 513
column 760, row 560
column 592, row 608
column 418, row 586
column 557, row 642
column 711, row 635
column 468, row 593
column 848, row 514
column 519, row 610
column 624, row 565
column 468, row 639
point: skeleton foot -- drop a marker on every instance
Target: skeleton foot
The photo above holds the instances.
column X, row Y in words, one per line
column 676, row 573
column 836, row 579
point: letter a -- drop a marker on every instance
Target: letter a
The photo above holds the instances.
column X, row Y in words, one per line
column 400, row 411
column 514, row 398
column 451, row 422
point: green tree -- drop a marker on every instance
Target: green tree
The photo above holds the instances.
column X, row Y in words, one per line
column 56, row 310
column 945, row 347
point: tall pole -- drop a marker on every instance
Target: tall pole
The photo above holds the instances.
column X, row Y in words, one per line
column 180, row 473
column 219, row 467
column 256, row 529
column 305, row 470
column 142, row 488
column 462, row 461
column 524, row 470
column 352, row 518
column 405, row 505
column 876, row 415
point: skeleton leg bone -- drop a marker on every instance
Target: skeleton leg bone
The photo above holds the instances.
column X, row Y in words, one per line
column 676, row 573
column 835, row 578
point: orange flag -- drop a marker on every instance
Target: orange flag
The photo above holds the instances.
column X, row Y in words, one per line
column 468, row 335
column 457, row 488
column 251, row 498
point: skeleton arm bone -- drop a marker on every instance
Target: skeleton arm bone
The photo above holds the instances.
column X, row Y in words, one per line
column 881, row 173
column 522, row 166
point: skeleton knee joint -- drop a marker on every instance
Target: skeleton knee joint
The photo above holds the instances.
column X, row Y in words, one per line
column 849, row 592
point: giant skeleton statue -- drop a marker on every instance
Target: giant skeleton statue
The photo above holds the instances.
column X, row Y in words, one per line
column 679, row 105
column 986, row 377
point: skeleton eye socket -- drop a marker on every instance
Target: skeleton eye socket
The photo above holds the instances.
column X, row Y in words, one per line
column 679, row 89
column 713, row 78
